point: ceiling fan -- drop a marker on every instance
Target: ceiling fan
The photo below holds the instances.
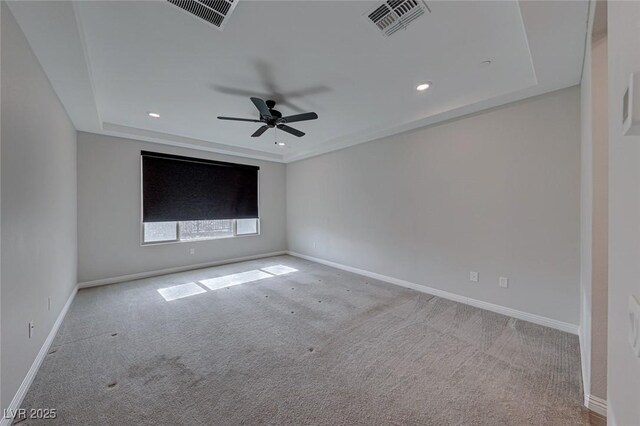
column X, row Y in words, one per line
column 272, row 118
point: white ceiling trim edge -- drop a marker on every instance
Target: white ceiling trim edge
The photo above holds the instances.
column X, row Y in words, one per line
column 87, row 59
column 118, row 130
column 526, row 42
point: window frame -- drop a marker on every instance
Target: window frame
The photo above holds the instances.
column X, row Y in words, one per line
column 178, row 240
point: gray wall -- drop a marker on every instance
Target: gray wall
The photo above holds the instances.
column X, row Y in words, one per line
column 39, row 256
column 497, row 193
column 109, row 212
column 624, row 217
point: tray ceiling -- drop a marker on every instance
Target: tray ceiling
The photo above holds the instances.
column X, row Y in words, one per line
column 112, row 63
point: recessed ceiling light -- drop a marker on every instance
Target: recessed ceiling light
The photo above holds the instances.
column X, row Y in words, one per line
column 424, row 86
column 154, row 115
column 280, row 143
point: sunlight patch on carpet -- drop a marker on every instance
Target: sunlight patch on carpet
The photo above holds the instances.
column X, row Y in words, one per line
column 180, row 291
column 279, row 269
column 235, row 279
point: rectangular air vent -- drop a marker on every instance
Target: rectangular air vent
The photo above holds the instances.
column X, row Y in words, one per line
column 215, row 12
column 394, row 15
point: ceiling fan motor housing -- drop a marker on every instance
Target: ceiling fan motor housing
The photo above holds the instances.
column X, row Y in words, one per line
column 275, row 113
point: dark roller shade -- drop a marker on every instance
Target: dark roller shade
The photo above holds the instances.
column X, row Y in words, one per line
column 182, row 188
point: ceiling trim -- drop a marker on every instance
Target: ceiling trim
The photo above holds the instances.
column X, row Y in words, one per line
column 526, row 40
column 87, row 59
column 118, row 130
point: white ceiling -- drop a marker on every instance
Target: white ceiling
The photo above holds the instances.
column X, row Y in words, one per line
column 111, row 62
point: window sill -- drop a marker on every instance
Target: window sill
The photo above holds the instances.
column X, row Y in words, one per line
column 201, row 240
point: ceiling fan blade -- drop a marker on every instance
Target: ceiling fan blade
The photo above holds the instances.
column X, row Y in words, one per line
column 294, row 132
column 299, row 117
column 260, row 131
column 262, row 107
column 240, row 119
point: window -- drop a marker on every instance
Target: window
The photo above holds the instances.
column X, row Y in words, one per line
column 192, row 199
column 246, row 226
column 197, row 230
column 205, row 229
column 160, row 231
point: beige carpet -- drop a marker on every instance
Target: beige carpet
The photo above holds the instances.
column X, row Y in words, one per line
column 314, row 346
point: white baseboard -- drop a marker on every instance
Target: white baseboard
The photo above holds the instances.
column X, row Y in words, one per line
column 595, row 404
column 141, row 275
column 525, row 316
column 35, row 366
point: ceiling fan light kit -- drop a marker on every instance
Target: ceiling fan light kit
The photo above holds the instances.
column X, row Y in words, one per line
column 273, row 118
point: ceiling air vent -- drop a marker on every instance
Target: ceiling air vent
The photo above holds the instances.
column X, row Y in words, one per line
column 394, row 15
column 215, row 12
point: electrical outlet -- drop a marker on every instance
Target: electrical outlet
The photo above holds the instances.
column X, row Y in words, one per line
column 32, row 325
column 503, row 282
column 473, row 276
column 192, row 251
